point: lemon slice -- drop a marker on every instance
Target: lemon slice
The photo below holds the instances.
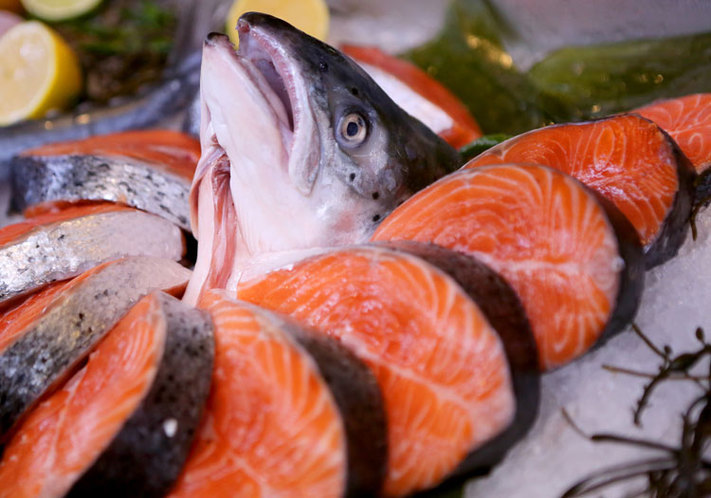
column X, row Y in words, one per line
column 38, row 72
column 310, row 16
column 59, row 10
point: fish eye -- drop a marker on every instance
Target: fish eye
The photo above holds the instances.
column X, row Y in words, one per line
column 353, row 129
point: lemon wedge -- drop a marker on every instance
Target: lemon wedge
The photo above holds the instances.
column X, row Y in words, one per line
column 38, row 72
column 310, row 16
column 59, row 10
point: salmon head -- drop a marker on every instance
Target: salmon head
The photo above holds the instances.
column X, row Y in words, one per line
column 307, row 148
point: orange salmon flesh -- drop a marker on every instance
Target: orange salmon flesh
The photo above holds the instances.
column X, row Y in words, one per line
column 441, row 367
column 688, row 122
column 66, row 433
column 627, row 159
column 541, row 230
column 271, row 426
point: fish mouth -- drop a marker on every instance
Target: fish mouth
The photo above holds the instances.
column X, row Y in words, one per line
column 268, row 58
column 258, row 129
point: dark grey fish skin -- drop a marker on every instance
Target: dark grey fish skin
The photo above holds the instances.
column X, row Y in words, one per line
column 38, row 179
column 52, row 346
column 632, row 273
column 360, row 402
column 676, row 224
column 147, row 455
column 504, row 311
column 64, row 249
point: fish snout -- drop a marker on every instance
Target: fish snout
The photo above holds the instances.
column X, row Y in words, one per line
column 216, row 39
column 250, row 20
column 270, row 30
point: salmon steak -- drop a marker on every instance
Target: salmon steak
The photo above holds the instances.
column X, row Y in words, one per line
column 688, row 121
column 442, row 368
column 290, row 413
column 47, row 335
column 627, row 159
column 124, row 423
column 59, row 245
column 149, row 170
column 167, row 150
column 503, row 309
column 575, row 264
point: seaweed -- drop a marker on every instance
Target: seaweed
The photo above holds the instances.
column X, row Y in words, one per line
column 597, row 80
column 469, row 57
column 681, row 470
column 573, row 83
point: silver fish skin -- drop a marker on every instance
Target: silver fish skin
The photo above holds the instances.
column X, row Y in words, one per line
column 67, row 330
column 64, row 249
column 38, row 179
column 303, row 146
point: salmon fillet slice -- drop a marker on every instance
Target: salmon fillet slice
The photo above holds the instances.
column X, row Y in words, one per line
column 688, row 122
column 290, row 413
column 80, row 238
column 627, row 159
column 503, row 310
column 441, row 366
column 173, row 151
column 123, row 424
column 50, row 183
column 149, row 170
column 9, row 233
column 577, row 269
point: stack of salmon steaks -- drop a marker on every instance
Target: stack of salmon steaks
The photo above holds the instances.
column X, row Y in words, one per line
column 384, row 368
